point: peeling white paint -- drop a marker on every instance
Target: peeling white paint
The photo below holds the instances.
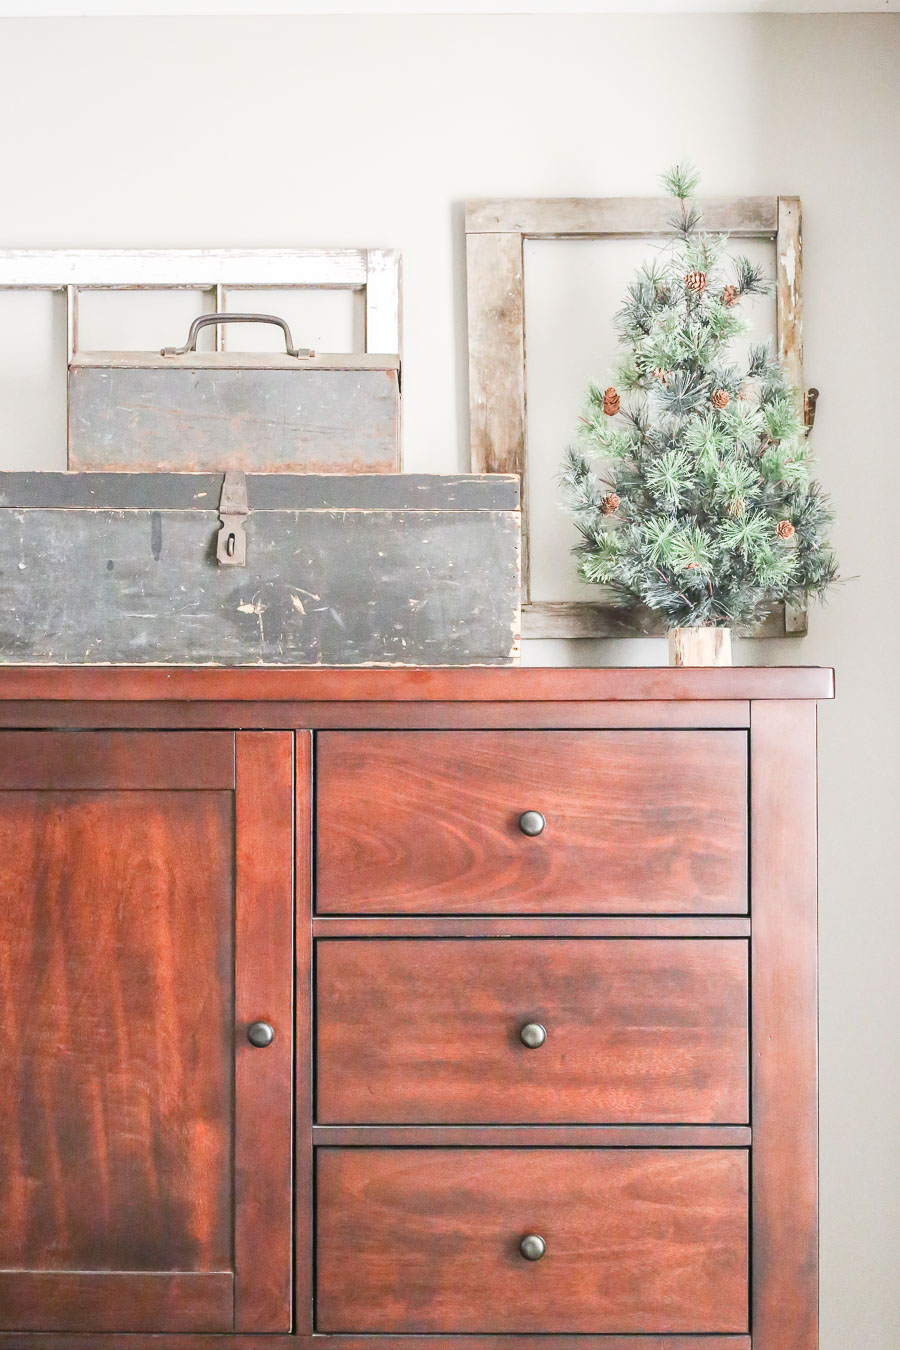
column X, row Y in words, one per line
column 789, row 263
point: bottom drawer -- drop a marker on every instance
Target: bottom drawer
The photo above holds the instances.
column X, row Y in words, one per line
column 428, row 1240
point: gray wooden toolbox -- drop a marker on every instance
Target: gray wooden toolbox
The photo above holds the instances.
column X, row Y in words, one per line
column 180, row 409
column 375, row 569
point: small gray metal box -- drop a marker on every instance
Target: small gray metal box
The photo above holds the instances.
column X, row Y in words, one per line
column 120, row 569
column 208, row 411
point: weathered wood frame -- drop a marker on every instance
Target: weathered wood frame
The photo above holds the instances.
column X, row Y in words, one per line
column 220, row 272
column 495, row 238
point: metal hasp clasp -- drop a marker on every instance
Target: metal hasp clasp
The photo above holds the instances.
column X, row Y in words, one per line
column 231, row 544
column 810, row 399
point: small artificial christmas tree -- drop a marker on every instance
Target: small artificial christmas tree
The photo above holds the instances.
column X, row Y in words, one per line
column 704, row 508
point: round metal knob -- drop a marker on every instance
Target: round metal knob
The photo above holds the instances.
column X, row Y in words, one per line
column 532, row 823
column 533, row 1035
column 532, row 1247
column 260, row 1034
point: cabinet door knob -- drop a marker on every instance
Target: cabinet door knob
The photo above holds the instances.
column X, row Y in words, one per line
column 533, row 1035
column 532, row 1247
column 532, row 823
column 260, row 1034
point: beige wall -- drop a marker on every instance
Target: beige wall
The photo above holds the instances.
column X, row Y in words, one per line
column 373, row 131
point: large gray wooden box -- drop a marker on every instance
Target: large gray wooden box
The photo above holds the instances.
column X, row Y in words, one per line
column 393, row 569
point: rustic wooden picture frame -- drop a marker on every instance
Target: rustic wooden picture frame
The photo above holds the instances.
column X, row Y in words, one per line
column 495, row 239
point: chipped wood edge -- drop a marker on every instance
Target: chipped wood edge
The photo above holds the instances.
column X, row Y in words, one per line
column 495, row 288
column 789, row 334
column 383, row 301
column 191, row 269
column 789, row 289
column 596, row 217
column 587, row 619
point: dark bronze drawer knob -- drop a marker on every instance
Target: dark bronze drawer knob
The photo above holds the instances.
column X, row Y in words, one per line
column 260, row 1034
column 533, row 1035
column 532, row 1247
column 532, row 823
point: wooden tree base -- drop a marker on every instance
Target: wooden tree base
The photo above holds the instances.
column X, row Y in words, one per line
column 699, row 646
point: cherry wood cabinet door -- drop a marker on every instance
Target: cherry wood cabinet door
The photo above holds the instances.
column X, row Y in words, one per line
column 531, row 822
column 146, row 922
column 433, row 1240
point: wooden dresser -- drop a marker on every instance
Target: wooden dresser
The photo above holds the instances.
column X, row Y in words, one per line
column 441, row 1007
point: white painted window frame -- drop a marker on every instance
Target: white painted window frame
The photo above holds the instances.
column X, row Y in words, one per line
column 376, row 271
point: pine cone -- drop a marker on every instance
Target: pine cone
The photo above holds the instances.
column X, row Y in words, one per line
column 784, row 529
column 730, row 296
column 661, row 375
column 720, row 398
column 611, row 402
column 696, row 281
column 610, row 504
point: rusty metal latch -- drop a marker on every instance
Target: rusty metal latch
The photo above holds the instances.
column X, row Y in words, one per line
column 810, row 399
column 231, row 544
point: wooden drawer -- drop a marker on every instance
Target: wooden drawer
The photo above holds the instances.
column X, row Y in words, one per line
column 429, row 822
column 428, row 1240
column 421, row 1031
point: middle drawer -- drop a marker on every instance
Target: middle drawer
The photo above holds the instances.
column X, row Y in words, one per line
column 538, row 1031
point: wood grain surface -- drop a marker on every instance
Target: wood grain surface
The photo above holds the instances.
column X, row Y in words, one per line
column 42, row 1341
column 784, row 1008
column 427, row 1031
column 428, row 822
column 264, row 1078
column 532, row 1136
column 124, row 760
column 59, row 683
column 116, row 1039
column 427, row 1241
column 115, row 1300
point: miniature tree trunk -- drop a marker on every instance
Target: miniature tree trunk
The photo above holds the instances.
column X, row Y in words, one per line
column 699, row 646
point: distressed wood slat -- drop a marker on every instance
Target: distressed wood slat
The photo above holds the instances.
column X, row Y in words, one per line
column 496, row 307
column 789, row 330
column 557, row 217
column 383, row 315
column 583, row 619
column 789, row 289
column 496, row 297
column 192, row 269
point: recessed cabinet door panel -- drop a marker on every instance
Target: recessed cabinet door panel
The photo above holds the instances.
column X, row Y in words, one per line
column 428, row 1241
column 121, row 951
column 531, row 822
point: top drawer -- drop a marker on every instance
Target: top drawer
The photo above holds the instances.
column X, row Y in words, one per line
column 430, row 822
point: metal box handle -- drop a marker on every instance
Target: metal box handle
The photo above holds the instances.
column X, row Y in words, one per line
column 204, row 321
